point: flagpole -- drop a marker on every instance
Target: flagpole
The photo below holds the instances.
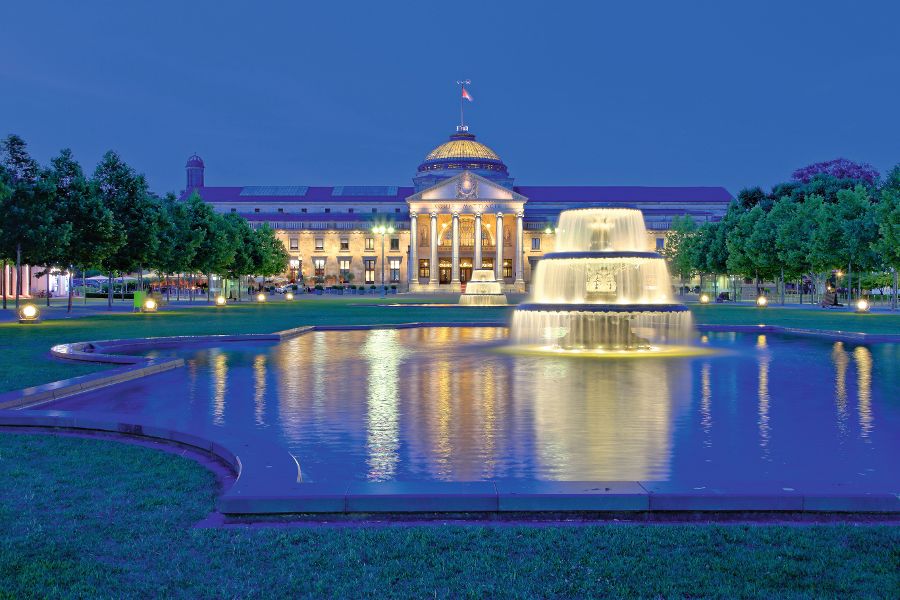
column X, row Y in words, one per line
column 462, row 120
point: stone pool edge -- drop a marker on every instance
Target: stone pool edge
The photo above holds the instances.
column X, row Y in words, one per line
column 269, row 478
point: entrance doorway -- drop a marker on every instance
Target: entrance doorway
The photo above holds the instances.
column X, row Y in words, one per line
column 465, row 269
column 444, row 270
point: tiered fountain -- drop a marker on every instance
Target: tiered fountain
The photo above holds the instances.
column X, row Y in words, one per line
column 601, row 289
column 483, row 290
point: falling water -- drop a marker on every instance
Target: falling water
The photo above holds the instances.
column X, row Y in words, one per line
column 601, row 289
column 483, row 290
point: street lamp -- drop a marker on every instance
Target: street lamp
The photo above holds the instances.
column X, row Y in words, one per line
column 382, row 230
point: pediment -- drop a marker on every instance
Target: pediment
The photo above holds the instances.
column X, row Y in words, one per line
column 467, row 187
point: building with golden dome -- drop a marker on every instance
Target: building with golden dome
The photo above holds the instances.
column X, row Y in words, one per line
column 462, row 213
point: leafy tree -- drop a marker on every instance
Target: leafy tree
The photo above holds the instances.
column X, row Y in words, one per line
column 679, row 246
column 747, row 198
column 274, row 256
column 179, row 242
column 741, row 259
column 216, row 249
column 794, row 224
column 248, row 258
column 839, row 168
column 94, row 234
column 887, row 246
column 136, row 212
column 28, row 211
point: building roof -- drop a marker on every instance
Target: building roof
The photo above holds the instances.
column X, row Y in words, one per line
column 619, row 194
column 535, row 194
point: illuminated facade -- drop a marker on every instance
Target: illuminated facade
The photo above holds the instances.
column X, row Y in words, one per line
column 463, row 212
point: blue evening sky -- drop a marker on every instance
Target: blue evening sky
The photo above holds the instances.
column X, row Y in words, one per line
column 338, row 93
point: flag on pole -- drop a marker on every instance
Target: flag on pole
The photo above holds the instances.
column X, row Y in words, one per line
column 466, row 94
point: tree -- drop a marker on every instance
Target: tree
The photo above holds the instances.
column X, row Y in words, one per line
column 887, row 246
column 274, row 256
column 747, row 198
column 248, row 255
column 216, row 249
column 28, row 212
column 794, row 224
column 679, row 246
column 179, row 242
column 839, row 168
column 136, row 213
column 93, row 232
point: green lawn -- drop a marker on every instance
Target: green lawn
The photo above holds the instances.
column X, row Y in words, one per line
column 97, row 518
column 24, row 358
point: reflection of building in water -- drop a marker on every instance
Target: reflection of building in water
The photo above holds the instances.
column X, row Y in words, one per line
column 384, row 353
column 259, row 388
column 610, row 422
column 763, row 396
column 219, row 385
column 863, row 358
column 841, row 360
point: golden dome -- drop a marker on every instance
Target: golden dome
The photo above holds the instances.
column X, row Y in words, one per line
column 462, row 148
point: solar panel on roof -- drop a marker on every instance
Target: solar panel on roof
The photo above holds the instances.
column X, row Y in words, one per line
column 364, row 190
column 274, row 190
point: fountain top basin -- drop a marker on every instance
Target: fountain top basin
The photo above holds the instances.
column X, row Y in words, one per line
column 588, row 307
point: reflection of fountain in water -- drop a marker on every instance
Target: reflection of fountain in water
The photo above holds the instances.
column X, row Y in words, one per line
column 483, row 290
column 601, row 289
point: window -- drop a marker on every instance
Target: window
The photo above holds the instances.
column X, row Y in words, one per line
column 344, row 267
column 328, row 210
column 345, row 244
column 319, row 266
column 370, row 243
column 507, row 267
column 370, row 269
column 255, row 210
column 303, row 210
column 320, row 243
column 394, row 264
column 281, row 210
column 350, row 210
column 535, row 243
column 424, row 268
column 395, row 243
column 660, row 243
column 295, row 243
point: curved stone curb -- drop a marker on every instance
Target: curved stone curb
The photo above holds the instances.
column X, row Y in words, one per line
column 256, row 462
column 828, row 334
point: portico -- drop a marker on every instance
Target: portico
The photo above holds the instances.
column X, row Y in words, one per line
column 461, row 224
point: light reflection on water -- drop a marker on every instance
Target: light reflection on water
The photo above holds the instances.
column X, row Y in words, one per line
column 443, row 403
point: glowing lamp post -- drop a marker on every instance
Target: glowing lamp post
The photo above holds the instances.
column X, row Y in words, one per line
column 762, row 302
column 220, row 301
column 149, row 306
column 29, row 313
column 704, row 299
column 863, row 306
column 261, row 297
column 382, row 230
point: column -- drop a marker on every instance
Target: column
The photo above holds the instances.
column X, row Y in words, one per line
column 433, row 263
column 519, row 270
column 454, row 273
column 476, row 263
column 412, row 268
column 498, row 261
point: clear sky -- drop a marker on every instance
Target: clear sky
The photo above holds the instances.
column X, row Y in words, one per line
column 340, row 93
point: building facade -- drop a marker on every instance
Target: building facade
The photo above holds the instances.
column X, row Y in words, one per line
column 462, row 213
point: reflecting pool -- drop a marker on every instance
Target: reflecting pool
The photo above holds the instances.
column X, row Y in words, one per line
column 450, row 404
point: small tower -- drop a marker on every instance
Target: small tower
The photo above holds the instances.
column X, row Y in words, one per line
column 194, row 168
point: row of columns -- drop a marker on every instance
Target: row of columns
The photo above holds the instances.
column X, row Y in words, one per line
column 518, row 263
column 8, row 284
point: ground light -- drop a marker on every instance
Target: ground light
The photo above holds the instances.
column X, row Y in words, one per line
column 29, row 313
column 260, row 297
column 704, row 299
column 863, row 306
column 220, row 300
column 289, row 296
column 149, row 305
column 762, row 301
